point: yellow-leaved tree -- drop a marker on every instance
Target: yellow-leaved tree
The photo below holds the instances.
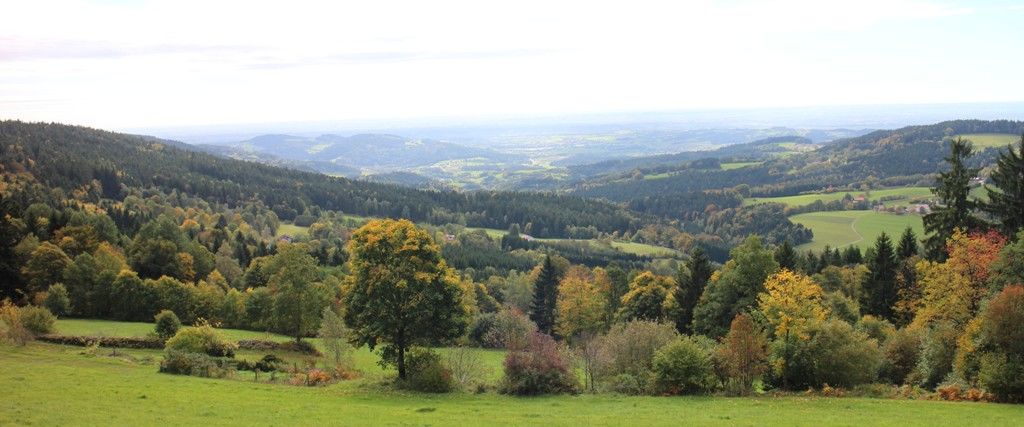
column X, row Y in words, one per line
column 580, row 307
column 792, row 303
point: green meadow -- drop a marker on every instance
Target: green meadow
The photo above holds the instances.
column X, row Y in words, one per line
column 991, row 140
column 861, row 228
column 48, row 384
column 905, row 195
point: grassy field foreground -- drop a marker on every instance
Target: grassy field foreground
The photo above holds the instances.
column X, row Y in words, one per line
column 53, row 385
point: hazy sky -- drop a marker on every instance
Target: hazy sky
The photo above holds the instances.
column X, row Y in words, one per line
column 130, row 64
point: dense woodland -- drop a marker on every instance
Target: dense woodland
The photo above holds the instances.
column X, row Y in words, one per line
column 103, row 225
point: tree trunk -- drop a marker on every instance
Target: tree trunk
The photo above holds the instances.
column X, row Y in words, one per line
column 401, row 361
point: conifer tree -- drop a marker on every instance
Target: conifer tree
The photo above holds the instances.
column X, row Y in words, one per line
column 545, row 296
column 908, row 244
column 955, row 208
column 785, row 256
column 690, row 282
column 1007, row 203
column 880, row 292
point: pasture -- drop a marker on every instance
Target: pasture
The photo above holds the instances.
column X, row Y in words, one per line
column 901, row 195
column 860, row 228
column 48, row 384
column 982, row 141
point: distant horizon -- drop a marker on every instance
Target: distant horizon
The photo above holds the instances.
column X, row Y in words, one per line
column 869, row 116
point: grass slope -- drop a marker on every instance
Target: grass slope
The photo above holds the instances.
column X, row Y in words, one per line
column 991, row 140
column 907, row 193
column 861, row 228
column 54, row 385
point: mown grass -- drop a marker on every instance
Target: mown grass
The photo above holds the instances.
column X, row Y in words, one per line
column 737, row 165
column 861, row 228
column 907, row 194
column 53, row 385
column 982, row 141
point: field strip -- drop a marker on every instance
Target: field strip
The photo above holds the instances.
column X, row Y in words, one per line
column 853, row 226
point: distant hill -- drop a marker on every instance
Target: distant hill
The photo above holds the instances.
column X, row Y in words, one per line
column 114, row 165
column 362, row 152
column 909, row 155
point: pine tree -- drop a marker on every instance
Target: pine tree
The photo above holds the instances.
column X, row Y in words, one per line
column 785, row 256
column 955, row 208
column 880, row 292
column 690, row 282
column 908, row 244
column 1007, row 203
column 852, row 255
column 545, row 296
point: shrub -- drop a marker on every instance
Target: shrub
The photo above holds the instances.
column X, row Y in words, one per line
column 481, row 329
column 629, row 349
column 540, row 368
column 201, row 339
column 879, row 329
column 835, row 354
column 57, row 300
column 938, row 349
column 37, row 320
column 512, row 330
column 743, row 355
column 425, row 372
column 116, row 342
column 167, row 324
column 1003, row 376
column 195, row 364
column 11, row 328
column 466, row 366
column 901, row 352
column 304, row 347
column 683, row 367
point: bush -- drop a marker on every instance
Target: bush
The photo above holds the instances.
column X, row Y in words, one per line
column 481, row 330
column 683, row 367
column 11, row 328
column 201, row 339
column 1003, row 376
column 304, row 347
column 116, row 342
column 879, row 329
column 540, row 368
column 57, row 300
column 901, row 353
column 37, row 320
column 628, row 348
column 743, row 355
column 938, row 349
column 512, row 330
column 195, row 364
column 167, row 324
column 835, row 354
column 425, row 372
column 466, row 366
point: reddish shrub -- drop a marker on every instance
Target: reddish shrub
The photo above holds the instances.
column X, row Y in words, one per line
column 540, row 368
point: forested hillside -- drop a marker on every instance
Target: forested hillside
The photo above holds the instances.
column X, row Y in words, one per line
column 109, row 164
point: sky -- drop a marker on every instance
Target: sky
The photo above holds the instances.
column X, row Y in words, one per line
column 136, row 64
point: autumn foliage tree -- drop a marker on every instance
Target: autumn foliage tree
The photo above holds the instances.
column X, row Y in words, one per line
column 743, row 354
column 580, row 306
column 400, row 292
column 792, row 304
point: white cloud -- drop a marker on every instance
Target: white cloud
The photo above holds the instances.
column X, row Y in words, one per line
column 122, row 64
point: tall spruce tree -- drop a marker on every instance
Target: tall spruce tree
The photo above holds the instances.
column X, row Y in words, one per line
column 545, row 295
column 880, row 291
column 786, row 256
column 1006, row 202
column 955, row 208
column 690, row 282
column 908, row 244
